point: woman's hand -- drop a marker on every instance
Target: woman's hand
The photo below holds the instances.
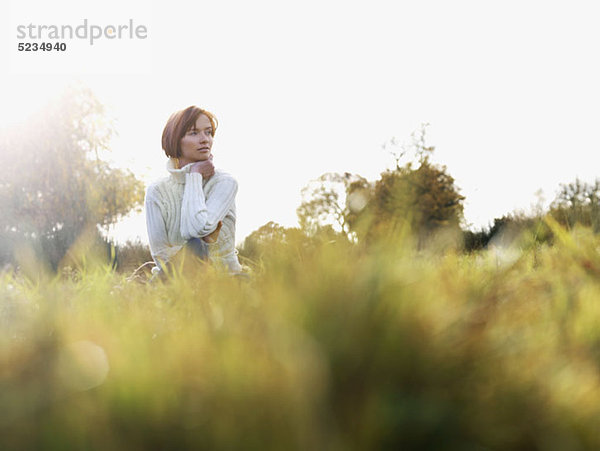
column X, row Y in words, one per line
column 206, row 168
column 212, row 238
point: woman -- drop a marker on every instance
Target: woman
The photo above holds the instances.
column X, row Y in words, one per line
column 195, row 204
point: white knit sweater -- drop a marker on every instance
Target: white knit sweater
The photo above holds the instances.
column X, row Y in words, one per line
column 184, row 206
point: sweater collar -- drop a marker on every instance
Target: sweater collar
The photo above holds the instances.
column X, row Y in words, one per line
column 178, row 174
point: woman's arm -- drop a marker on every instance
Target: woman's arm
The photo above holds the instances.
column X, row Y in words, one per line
column 160, row 248
column 201, row 213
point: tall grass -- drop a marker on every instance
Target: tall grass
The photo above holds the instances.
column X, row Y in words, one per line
column 328, row 346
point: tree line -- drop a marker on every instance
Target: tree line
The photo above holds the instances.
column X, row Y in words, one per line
column 420, row 198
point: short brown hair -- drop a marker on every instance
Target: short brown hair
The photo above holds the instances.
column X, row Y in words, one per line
column 178, row 125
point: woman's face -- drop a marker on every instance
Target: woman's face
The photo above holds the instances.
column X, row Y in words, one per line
column 197, row 142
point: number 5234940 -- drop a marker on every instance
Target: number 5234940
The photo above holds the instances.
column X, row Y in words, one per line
column 44, row 46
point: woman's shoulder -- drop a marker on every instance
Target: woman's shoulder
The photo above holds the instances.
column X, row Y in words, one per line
column 158, row 186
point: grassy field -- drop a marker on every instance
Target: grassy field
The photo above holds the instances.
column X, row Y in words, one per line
column 329, row 346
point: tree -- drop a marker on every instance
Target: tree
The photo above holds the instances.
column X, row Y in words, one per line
column 53, row 185
column 333, row 199
column 419, row 194
column 270, row 238
column 254, row 244
column 578, row 202
column 424, row 199
column 271, row 246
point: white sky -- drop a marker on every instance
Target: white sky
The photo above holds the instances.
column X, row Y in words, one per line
column 511, row 90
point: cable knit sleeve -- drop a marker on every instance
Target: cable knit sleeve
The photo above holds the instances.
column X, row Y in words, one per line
column 201, row 211
column 160, row 248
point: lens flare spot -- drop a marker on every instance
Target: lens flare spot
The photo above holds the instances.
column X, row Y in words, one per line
column 82, row 365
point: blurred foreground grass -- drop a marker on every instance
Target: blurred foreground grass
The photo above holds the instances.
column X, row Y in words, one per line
column 332, row 346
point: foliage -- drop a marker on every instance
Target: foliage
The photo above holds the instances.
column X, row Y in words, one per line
column 333, row 198
column 516, row 229
column 578, row 202
column 424, row 198
column 53, row 184
column 336, row 346
column 419, row 195
column 263, row 239
column 131, row 255
column 273, row 237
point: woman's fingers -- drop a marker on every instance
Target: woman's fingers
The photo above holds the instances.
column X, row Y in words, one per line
column 206, row 168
